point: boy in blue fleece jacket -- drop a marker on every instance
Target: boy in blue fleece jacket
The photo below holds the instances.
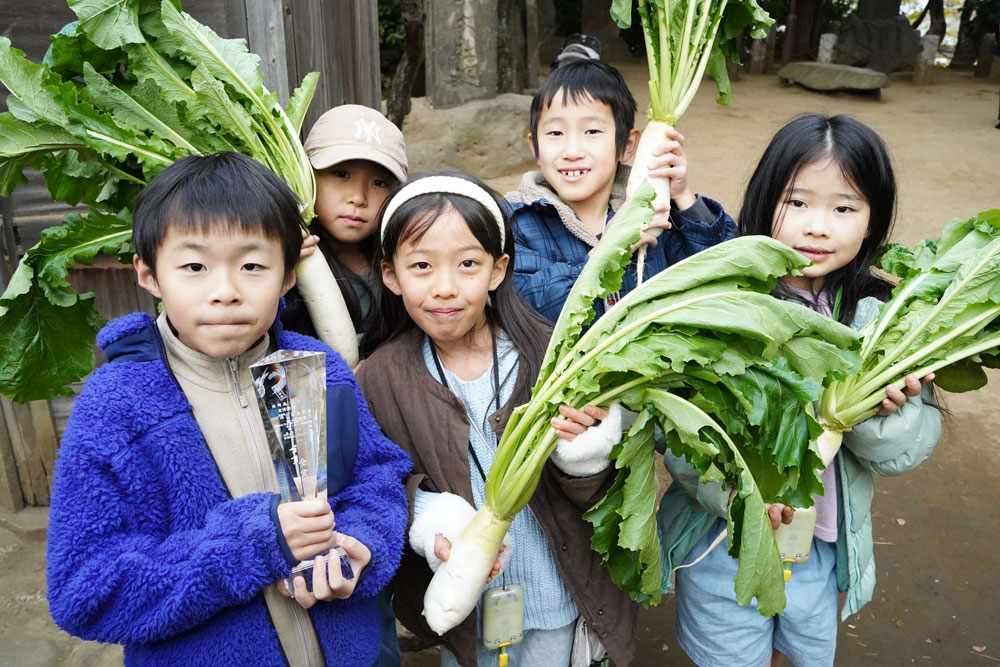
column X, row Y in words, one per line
column 582, row 133
column 165, row 530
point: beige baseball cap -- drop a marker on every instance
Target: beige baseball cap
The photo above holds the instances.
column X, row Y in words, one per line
column 355, row 132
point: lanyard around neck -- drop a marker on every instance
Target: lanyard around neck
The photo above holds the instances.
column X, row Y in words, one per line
column 496, row 389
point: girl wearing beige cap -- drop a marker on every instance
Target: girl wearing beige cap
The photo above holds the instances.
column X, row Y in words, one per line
column 357, row 155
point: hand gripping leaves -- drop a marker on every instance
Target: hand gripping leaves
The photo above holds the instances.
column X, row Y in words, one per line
column 943, row 318
column 702, row 350
column 121, row 94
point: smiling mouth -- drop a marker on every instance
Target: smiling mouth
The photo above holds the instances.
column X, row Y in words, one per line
column 574, row 173
column 814, row 252
column 444, row 312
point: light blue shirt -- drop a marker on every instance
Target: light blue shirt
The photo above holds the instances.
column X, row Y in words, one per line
column 547, row 603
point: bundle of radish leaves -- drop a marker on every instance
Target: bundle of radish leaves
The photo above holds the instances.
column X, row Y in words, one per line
column 943, row 318
column 703, row 351
column 685, row 39
column 119, row 96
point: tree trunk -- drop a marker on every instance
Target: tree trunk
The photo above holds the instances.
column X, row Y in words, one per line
column 936, row 9
column 967, row 47
column 807, row 25
column 511, row 64
column 878, row 9
column 397, row 99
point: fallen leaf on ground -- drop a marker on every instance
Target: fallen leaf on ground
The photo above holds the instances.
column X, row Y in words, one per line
column 901, row 522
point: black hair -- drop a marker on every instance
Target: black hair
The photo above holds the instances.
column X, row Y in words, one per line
column 864, row 162
column 223, row 191
column 348, row 281
column 527, row 330
column 579, row 80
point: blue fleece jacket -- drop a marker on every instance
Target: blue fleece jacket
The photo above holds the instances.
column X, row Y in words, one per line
column 146, row 547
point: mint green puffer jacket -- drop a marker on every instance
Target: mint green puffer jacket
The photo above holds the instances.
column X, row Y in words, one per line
column 884, row 446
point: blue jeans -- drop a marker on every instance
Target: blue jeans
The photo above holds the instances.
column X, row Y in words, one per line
column 539, row 647
column 715, row 631
column 389, row 654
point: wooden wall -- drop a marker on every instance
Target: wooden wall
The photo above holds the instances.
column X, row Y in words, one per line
column 338, row 38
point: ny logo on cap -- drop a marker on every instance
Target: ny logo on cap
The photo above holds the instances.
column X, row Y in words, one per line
column 367, row 131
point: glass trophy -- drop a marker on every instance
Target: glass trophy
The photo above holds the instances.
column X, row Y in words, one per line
column 291, row 394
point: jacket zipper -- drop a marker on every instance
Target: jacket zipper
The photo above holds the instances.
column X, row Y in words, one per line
column 242, row 404
column 162, row 350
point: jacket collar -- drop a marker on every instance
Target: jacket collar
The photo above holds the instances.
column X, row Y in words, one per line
column 534, row 190
column 135, row 337
column 407, row 346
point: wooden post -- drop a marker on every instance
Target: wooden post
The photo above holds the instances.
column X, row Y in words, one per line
column 788, row 48
column 338, row 39
column 33, row 444
column 266, row 38
column 11, row 497
column 532, row 42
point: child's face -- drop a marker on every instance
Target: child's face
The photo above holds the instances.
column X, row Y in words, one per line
column 220, row 291
column 576, row 150
column 444, row 278
column 348, row 196
column 823, row 217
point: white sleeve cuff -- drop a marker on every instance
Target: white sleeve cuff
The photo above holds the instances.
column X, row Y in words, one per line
column 587, row 454
column 446, row 514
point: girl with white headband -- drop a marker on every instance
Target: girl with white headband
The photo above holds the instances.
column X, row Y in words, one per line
column 460, row 350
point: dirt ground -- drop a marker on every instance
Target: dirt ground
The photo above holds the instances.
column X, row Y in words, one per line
column 937, row 530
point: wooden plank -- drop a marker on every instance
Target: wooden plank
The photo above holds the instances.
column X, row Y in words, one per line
column 8, row 243
column 266, row 37
column 310, row 53
column 33, row 442
column 11, row 497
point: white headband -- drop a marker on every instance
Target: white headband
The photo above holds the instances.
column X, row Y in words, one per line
column 448, row 184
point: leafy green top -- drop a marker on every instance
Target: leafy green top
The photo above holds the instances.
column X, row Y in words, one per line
column 686, row 39
column 121, row 93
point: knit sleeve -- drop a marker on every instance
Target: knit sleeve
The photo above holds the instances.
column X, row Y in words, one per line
column 118, row 569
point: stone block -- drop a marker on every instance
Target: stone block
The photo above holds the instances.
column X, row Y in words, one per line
column 925, row 62
column 830, row 76
column 886, row 45
column 827, row 42
column 486, row 138
column 461, row 51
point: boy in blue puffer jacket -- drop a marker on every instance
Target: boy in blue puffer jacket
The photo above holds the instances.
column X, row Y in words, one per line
column 165, row 530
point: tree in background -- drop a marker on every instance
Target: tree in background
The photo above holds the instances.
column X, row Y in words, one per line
column 938, row 26
column 978, row 19
column 404, row 22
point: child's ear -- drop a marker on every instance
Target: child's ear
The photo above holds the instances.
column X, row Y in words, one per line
column 144, row 276
column 631, row 145
column 531, row 147
column 289, row 282
column 499, row 271
column 390, row 279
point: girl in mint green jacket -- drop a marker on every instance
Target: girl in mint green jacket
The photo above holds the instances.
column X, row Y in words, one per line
column 825, row 187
